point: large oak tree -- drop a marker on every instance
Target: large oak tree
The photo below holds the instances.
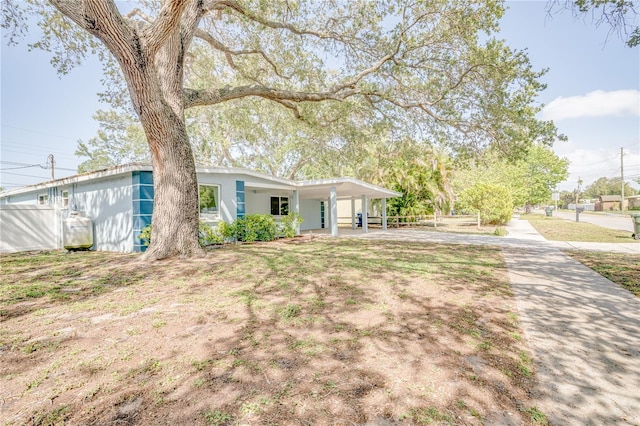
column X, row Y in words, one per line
column 433, row 64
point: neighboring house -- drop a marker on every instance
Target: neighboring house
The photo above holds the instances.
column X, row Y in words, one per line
column 119, row 200
column 609, row 202
column 633, row 201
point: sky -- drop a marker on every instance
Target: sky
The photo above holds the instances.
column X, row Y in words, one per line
column 592, row 95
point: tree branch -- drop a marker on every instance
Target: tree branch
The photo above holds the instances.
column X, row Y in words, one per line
column 204, row 97
column 235, row 6
column 72, row 9
column 100, row 18
column 216, row 44
column 164, row 24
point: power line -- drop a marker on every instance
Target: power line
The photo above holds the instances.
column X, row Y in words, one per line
column 20, row 174
column 13, row 163
column 11, row 184
column 2, row 169
column 36, row 131
column 30, row 152
column 22, row 167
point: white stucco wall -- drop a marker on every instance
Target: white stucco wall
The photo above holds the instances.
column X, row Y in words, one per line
column 310, row 211
column 260, row 202
column 26, row 227
column 108, row 203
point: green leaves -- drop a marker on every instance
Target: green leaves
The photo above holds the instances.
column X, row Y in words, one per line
column 493, row 201
column 528, row 180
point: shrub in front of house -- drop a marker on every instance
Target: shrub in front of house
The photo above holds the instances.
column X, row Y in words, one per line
column 252, row 227
column 207, row 235
column 288, row 224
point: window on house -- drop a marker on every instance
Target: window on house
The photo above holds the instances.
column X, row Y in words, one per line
column 209, row 199
column 43, row 199
column 279, row 206
column 65, row 199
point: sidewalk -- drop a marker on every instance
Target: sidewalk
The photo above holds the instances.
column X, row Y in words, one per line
column 630, row 248
column 584, row 332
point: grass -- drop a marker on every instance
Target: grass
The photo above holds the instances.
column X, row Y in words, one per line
column 622, row 269
column 537, row 416
column 61, row 277
column 306, row 331
column 556, row 229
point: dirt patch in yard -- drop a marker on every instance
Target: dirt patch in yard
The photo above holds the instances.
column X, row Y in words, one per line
column 304, row 331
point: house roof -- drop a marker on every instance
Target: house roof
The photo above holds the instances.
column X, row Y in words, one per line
column 607, row 198
column 346, row 187
column 82, row 177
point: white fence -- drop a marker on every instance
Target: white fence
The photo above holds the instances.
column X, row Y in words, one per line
column 29, row 227
column 586, row 207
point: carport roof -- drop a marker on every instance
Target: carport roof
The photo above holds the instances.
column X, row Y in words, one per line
column 346, row 188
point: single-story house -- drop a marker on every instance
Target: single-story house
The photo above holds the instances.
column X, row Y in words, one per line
column 119, row 201
column 609, row 202
column 633, row 201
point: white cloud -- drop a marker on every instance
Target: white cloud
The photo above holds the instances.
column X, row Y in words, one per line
column 594, row 104
column 589, row 165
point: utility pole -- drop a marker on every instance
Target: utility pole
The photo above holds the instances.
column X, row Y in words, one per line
column 52, row 163
column 622, row 176
column 578, row 210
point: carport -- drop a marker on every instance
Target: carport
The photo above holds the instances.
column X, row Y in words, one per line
column 332, row 190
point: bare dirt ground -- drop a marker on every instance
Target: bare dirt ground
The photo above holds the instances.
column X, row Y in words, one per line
column 304, row 331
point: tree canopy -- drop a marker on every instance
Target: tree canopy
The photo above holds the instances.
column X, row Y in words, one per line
column 429, row 69
column 528, row 181
column 608, row 186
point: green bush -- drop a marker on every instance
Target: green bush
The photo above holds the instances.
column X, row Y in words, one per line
column 252, row 227
column 288, row 224
column 500, row 231
column 207, row 235
column 145, row 235
column 494, row 202
column 227, row 231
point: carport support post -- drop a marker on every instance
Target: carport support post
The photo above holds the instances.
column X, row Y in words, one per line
column 353, row 213
column 295, row 207
column 384, row 214
column 365, row 214
column 333, row 203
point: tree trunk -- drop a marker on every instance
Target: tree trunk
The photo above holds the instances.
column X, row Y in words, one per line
column 175, row 209
column 156, row 92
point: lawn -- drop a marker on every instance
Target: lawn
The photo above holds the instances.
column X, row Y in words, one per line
column 623, row 269
column 556, row 229
column 303, row 331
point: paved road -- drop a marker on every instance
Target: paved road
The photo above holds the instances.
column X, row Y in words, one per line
column 611, row 221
